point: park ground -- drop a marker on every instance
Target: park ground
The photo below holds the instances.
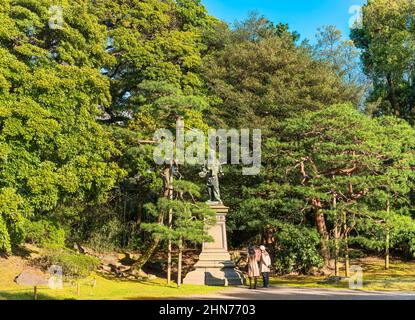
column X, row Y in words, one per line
column 397, row 282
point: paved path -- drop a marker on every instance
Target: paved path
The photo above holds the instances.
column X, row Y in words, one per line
column 294, row 293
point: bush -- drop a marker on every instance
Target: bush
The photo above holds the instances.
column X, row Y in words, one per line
column 44, row 233
column 297, row 249
column 106, row 236
column 73, row 264
column 12, row 211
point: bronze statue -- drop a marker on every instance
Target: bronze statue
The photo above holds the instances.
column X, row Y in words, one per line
column 212, row 170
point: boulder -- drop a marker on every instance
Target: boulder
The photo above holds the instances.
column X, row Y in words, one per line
column 123, row 268
column 105, row 268
column 31, row 278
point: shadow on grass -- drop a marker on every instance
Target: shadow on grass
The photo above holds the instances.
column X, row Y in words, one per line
column 143, row 282
column 24, row 294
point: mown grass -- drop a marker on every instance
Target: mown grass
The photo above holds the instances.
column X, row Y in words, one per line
column 399, row 277
column 105, row 288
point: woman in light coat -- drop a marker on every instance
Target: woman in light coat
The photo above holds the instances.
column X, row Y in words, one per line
column 265, row 265
column 253, row 269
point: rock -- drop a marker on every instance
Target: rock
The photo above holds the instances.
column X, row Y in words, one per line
column 32, row 251
column 31, row 278
column 139, row 273
column 77, row 247
column 123, row 268
column 326, row 272
column 109, row 259
column 132, row 256
column 314, row 271
column 106, row 268
column 34, row 255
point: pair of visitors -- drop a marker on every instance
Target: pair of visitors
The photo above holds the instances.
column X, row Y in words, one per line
column 259, row 261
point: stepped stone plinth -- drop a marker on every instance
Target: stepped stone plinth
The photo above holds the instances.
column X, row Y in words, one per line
column 215, row 267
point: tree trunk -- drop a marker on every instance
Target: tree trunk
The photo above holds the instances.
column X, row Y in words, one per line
column 139, row 215
column 268, row 239
column 156, row 240
column 387, row 238
column 346, row 247
column 336, row 252
column 147, row 254
column 347, row 265
column 336, row 241
column 179, row 267
column 169, row 253
column 322, row 230
column 392, row 96
column 170, row 223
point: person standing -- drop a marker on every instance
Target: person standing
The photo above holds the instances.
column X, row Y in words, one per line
column 253, row 269
column 265, row 265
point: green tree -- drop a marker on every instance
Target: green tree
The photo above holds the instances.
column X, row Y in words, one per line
column 387, row 42
column 151, row 40
column 156, row 49
column 12, row 214
column 163, row 103
column 189, row 219
column 54, row 154
column 343, row 57
column 260, row 83
column 336, row 160
column 386, row 221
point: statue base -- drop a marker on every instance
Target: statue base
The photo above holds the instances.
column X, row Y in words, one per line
column 215, row 267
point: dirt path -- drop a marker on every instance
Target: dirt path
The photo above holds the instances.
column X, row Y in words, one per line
column 290, row 293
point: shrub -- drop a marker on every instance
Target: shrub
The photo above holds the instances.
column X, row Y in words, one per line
column 297, row 249
column 44, row 233
column 12, row 211
column 73, row 264
column 106, row 236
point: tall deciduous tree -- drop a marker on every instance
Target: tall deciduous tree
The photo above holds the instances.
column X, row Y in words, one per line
column 260, row 81
column 343, row 57
column 387, row 41
column 54, row 154
column 156, row 49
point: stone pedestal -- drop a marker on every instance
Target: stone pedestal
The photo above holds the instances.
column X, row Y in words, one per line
column 215, row 267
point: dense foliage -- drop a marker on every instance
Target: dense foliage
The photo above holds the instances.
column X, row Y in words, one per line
column 296, row 249
column 44, row 233
column 74, row 265
column 387, row 40
column 82, row 94
column 55, row 158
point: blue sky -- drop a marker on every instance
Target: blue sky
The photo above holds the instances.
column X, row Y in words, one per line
column 304, row 16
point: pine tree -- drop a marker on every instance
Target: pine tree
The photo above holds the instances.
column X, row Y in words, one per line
column 190, row 219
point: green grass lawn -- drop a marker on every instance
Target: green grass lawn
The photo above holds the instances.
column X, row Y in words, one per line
column 400, row 277
column 106, row 289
